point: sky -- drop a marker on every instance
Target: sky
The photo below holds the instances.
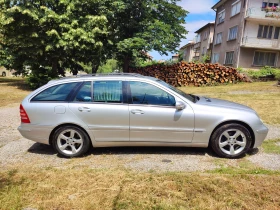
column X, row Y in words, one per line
column 200, row 13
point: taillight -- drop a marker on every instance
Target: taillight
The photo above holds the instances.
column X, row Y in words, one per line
column 23, row 115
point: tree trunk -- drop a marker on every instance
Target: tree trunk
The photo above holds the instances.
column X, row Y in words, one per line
column 94, row 68
column 54, row 68
column 75, row 71
column 126, row 63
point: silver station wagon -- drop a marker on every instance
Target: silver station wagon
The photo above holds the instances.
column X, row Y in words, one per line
column 71, row 114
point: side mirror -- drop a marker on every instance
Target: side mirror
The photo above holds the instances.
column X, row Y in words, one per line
column 180, row 105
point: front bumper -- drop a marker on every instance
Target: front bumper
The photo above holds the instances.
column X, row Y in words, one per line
column 260, row 135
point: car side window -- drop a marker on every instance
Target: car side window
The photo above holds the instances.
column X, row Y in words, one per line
column 144, row 93
column 107, row 91
column 56, row 93
column 84, row 94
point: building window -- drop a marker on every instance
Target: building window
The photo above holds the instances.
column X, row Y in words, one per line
column 232, row 34
column 221, row 16
column 264, row 58
column 229, row 58
column 205, row 35
column 219, row 38
column 235, row 8
column 268, row 4
column 203, row 51
column 265, row 32
column 197, row 38
column 276, row 32
column 215, row 58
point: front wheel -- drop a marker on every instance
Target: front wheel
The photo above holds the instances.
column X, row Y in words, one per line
column 71, row 141
column 231, row 141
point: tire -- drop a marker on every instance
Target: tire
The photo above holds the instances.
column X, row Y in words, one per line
column 70, row 141
column 4, row 74
column 231, row 141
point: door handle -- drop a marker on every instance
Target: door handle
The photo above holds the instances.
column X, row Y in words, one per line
column 84, row 109
column 137, row 111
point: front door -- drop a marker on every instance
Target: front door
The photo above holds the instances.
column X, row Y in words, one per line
column 154, row 118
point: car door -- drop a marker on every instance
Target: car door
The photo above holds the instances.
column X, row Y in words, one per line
column 100, row 105
column 154, row 118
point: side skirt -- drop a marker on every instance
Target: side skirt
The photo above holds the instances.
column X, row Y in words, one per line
column 148, row 144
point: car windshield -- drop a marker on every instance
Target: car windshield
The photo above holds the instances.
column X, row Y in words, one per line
column 190, row 97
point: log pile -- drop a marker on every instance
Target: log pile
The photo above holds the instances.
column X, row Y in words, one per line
column 197, row 74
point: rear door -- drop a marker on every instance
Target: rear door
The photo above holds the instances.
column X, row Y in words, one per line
column 154, row 118
column 101, row 105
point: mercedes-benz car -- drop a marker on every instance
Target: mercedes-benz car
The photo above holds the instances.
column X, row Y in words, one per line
column 117, row 110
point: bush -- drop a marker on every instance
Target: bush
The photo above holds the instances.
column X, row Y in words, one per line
column 265, row 71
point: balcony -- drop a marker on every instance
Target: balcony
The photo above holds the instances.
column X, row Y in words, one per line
column 263, row 14
column 255, row 42
column 197, row 45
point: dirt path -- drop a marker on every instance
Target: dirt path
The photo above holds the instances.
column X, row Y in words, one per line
column 15, row 151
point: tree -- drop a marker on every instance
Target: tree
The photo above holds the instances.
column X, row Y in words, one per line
column 53, row 35
column 109, row 67
column 137, row 26
column 56, row 34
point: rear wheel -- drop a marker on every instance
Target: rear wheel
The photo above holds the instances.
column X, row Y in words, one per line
column 231, row 141
column 71, row 141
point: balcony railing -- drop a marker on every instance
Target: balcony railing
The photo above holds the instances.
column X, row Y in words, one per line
column 260, row 43
column 262, row 13
column 197, row 45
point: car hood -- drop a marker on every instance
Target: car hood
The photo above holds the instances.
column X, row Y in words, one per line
column 222, row 103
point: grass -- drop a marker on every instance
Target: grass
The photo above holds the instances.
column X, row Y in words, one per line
column 12, row 90
column 264, row 97
column 241, row 185
column 272, row 146
column 121, row 189
column 243, row 167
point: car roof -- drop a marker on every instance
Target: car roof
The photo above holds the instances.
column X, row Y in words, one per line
column 109, row 75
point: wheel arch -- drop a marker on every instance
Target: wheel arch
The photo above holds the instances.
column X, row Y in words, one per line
column 67, row 124
column 236, row 122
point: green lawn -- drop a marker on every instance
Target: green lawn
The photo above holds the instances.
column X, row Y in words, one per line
column 264, row 97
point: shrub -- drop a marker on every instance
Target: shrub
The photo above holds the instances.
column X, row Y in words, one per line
column 265, row 71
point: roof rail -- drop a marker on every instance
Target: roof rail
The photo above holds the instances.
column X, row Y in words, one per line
column 102, row 74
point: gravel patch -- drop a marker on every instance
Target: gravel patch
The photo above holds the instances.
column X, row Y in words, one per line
column 9, row 122
column 173, row 163
column 267, row 161
column 274, row 132
column 16, row 151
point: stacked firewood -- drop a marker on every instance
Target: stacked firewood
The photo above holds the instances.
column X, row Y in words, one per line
column 197, row 74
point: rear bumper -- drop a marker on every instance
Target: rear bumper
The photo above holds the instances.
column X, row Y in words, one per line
column 260, row 135
column 35, row 133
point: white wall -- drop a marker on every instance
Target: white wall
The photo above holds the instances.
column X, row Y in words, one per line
column 251, row 33
column 258, row 3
